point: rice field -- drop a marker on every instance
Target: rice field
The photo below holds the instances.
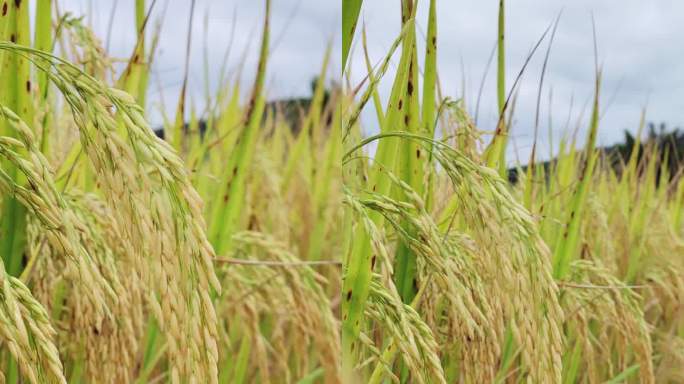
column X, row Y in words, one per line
column 282, row 243
column 573, row 274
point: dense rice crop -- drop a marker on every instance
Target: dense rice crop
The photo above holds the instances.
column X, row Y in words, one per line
column 574, row 274
column 249, row 246
column 202, row 258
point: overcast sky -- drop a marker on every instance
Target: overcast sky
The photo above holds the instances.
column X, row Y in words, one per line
column 638, row 44
column 301, row 30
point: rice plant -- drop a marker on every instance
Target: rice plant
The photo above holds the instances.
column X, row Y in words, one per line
column 207, row 257
column 453, row 274
column 261, row 243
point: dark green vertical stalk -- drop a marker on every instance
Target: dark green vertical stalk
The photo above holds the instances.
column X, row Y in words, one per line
column 410, row 162
column 496, row 152
column 43, row 42
column 501, row 60
column 430, row 72
column 178, row 125
column 350, row 16
column 134, row 78
column 360, row 261
column 16, row 93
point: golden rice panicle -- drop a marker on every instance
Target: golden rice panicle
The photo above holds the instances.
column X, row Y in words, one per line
column 453, row 265
column 62, row 230
column 500, row 224
column 176, row 219
column 255, row 292
column 41, row 331
column 125, row 329
column 409, row 333
column 405, row 329
column 26, row 331
column 108, row 345
column 60, row 224
column 519, row 259
column 300, row 291
column 671, row 348
column 145, row 183
column 608, row 315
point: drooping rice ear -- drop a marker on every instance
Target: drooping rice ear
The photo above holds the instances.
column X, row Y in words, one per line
column 42, row 200
column 148, row 185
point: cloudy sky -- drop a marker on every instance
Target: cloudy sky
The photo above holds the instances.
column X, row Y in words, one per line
column 638, row 47
column 301, row 30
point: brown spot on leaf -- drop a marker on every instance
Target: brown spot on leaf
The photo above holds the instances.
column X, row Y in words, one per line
column 417, row 153
column 28, row 85
column 349, row 295
column 13, row 38
column 17, row 3
column 4, row 8
column 410, row 88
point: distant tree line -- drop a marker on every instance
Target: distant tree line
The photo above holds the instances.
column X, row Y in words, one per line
column 291, row 110
column 668, row 142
